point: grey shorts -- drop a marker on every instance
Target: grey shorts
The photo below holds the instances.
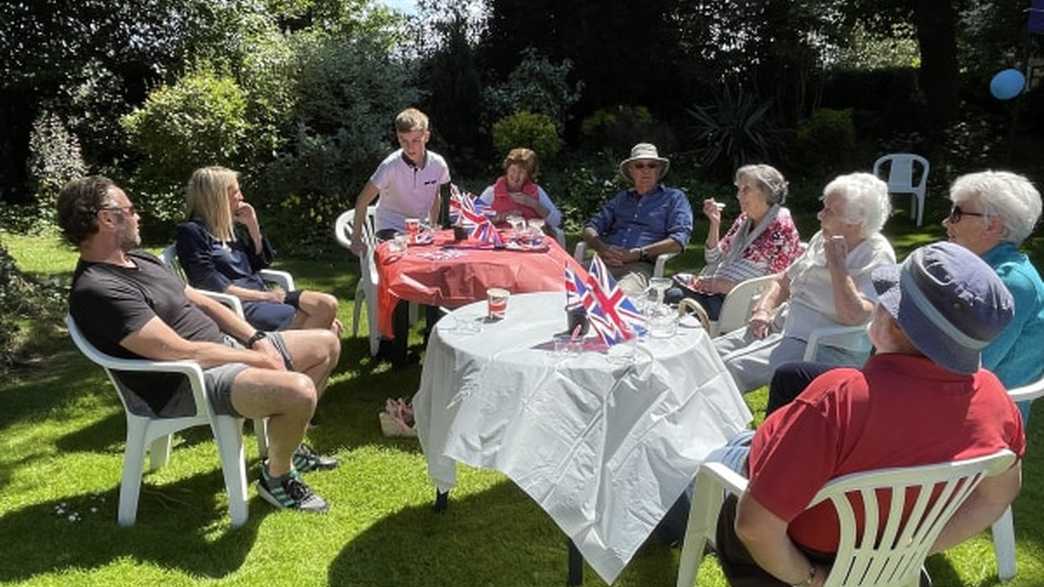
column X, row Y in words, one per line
column 218, row 382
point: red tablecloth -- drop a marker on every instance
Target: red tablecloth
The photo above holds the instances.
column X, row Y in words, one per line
column 454, row 282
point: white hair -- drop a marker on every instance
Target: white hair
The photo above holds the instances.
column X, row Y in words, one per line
column 866, row 200
column 1002, row 194
column 769, row 178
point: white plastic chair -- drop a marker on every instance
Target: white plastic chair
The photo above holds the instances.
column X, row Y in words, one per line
column 853, row 338
column 897, row 559
column 736, row 309
column 366, row 289
column 170, row 258
column 901, row 179
column 283, row 279
column 661, row 260
column 1004, row 528
column 152, row 434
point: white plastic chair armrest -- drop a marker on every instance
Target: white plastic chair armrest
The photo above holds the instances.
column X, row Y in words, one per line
column 580, row 251
column 280, row 278
column 818, row 335
column 729, row 480
column 1027, row 392
column 228, row 300
column 661, row 262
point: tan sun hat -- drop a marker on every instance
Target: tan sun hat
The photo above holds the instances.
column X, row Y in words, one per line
column 645, row 152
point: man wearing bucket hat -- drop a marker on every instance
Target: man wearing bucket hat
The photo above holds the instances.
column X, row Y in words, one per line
column 640, row 223
column 923, row 398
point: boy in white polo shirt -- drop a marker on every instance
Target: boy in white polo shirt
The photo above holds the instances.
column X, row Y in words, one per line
column 409, row 182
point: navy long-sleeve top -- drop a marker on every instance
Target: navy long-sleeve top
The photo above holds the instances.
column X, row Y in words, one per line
column 214, row 265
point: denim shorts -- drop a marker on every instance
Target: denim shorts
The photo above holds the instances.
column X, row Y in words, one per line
column 218, row 382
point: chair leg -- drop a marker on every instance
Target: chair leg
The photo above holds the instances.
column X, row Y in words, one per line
column 360, row 298
column 130, row 484
column 919, row 202
column 228, row 432
column 707, row 498
column 159, row 452
column 1004, row 545
column 261, row 432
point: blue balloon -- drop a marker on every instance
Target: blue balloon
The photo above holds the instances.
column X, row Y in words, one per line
column 1007, row 84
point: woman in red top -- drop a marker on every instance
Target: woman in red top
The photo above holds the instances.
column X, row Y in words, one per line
column 516, row 193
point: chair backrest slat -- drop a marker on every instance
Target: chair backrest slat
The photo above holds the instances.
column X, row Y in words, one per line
column 169, row 256
column 892, row 554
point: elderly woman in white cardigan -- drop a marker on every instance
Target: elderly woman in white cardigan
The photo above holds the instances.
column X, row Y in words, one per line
column 829, row 285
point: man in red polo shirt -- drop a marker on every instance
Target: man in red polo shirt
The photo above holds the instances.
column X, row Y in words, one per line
column 922, row 399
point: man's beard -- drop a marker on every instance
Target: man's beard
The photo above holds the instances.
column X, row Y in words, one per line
column 129, row 238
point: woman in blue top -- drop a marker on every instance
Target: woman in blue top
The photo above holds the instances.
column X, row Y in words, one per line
column 221, row 248
column 993, row 213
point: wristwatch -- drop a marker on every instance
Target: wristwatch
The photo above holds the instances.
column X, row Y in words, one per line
column 260, row 334
column 642, row 255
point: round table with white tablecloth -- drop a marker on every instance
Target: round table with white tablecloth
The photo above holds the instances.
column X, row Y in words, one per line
column 605, row 446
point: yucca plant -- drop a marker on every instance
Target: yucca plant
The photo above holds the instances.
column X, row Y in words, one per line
column 735, row 129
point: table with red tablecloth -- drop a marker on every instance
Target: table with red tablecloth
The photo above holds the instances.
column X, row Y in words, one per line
column 464, row 278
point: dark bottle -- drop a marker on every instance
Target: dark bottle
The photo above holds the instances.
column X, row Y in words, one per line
column 578, row 317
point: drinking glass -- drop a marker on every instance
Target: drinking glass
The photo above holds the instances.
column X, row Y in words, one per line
column 516, row 222
column 662, row 321
column 660, row 285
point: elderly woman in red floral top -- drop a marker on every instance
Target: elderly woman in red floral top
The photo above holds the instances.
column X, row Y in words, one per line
column 763, row 240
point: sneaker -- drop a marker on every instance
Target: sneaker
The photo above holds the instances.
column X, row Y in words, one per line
column 306, row 459
column 289, row 492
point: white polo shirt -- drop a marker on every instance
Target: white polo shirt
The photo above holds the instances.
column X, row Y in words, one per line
column 407, row 191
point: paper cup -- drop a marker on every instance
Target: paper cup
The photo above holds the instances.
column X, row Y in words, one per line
column 496, row 303
column 412, row 228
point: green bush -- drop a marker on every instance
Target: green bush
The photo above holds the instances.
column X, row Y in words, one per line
column 347, row 94
column 200, row 120
column 824, row 142
column 537, row 86
column 525, row 129
column 620, row 127
column 735, row 129
column 54, row 160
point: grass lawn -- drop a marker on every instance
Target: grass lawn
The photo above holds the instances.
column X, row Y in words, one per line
column 61, row 441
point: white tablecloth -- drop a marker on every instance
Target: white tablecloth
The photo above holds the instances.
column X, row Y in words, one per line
column 604, row 448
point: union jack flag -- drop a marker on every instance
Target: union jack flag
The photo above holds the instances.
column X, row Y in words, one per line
column 462, row 205
column 576, row 291
column 611, row 313
column 486, row 233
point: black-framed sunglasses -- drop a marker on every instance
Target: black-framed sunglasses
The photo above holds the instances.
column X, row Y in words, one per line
column 956, row 214
column 646, row 165
column 128, row 210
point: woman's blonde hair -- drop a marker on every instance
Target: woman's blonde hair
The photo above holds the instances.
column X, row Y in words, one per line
column 206, row 197
column 524, row 158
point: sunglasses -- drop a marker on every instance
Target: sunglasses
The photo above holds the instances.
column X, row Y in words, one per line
column 128, row 210
column 646, row 165
column 956, row 214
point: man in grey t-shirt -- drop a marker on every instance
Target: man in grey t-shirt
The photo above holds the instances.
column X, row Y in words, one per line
column 128, row 305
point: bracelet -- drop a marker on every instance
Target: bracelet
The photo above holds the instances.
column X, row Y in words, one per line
column 258, row 335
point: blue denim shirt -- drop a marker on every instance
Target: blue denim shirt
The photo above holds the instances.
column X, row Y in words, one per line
column 1015, row 356
column 631, row 220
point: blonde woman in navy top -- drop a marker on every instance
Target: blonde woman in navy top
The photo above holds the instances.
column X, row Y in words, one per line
column 221, row 248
